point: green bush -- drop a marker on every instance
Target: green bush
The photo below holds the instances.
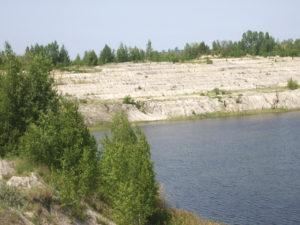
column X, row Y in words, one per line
column 216, row 91
column 130, row 101
column 127, row 176
column 208, row 61
column 292, row 84
column 26, row 91
column 106, row 55
column 63, row 143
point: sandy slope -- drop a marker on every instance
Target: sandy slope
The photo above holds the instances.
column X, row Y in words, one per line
column 170, row 90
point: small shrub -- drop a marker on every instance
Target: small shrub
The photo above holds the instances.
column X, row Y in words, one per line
column 216, row 91
column 292, row 84
column 208, row 61
column 130, row 101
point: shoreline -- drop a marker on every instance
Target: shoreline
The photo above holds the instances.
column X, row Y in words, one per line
column 105, row 125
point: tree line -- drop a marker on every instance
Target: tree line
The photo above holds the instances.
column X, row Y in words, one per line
column 251, row 43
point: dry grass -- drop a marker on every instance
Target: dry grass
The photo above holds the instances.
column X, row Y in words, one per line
column 9, row 217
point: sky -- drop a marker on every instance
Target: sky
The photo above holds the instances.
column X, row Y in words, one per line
column 90, row 24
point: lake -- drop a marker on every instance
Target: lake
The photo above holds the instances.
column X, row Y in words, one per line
column 241, row 170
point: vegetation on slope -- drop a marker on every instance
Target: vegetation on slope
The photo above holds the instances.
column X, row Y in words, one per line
column 44, row 132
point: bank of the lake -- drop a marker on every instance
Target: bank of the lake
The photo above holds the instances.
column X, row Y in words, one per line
column 238, row 170
column 105, row 125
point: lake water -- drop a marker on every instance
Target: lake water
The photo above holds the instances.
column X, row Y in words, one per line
column 242, row 170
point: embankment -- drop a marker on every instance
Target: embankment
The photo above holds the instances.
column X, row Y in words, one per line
column 162, row 91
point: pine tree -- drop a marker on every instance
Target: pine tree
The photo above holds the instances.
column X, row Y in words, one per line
column 106, row 55
column 64, row 58
column 90, row 58
column 122, row 54
column 149, row 50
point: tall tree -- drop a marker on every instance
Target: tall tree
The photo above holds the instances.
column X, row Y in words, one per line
column 106, row 55
column 64, row 58
column 149, row 50
column 77, row 61
column 26, row 92
column 90, row 58
column 127, row 176
column 122, row 54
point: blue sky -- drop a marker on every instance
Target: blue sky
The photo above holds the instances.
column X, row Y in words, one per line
column 89, row 24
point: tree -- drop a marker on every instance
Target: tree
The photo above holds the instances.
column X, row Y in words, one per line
column 64, row 58
column 26, row 93
column 61, row 141
column 136, row 54
column 127, row 176
column 106, row 55
column 77, row 61
column 122, row 54
column 90, row 58
column 52, row 51
column 149, row 50
column 58, row 56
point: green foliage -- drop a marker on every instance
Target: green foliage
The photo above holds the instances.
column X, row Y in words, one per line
column 216, row 91
column 193, row 51
column 122, row 54
column 130, row 101
column 64, row 59
column 77, row 61
column 106, row 55
column 127, row 177
column 57, row 55
column 63, row 143
column 26, row 91
column 292, row 84
column 90, row 58
column 136, row 54
column 149, row 50
column 208, row 61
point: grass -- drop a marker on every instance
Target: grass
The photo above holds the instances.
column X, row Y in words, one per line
column 10, row 217
column 10, row 197
column 100, row 126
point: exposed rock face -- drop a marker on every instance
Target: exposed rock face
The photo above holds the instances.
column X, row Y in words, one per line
column 156, row 109
column 173, row 90
column 6, row 169
column 25, row 182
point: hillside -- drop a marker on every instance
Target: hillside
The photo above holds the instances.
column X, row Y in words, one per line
column 161, row 91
